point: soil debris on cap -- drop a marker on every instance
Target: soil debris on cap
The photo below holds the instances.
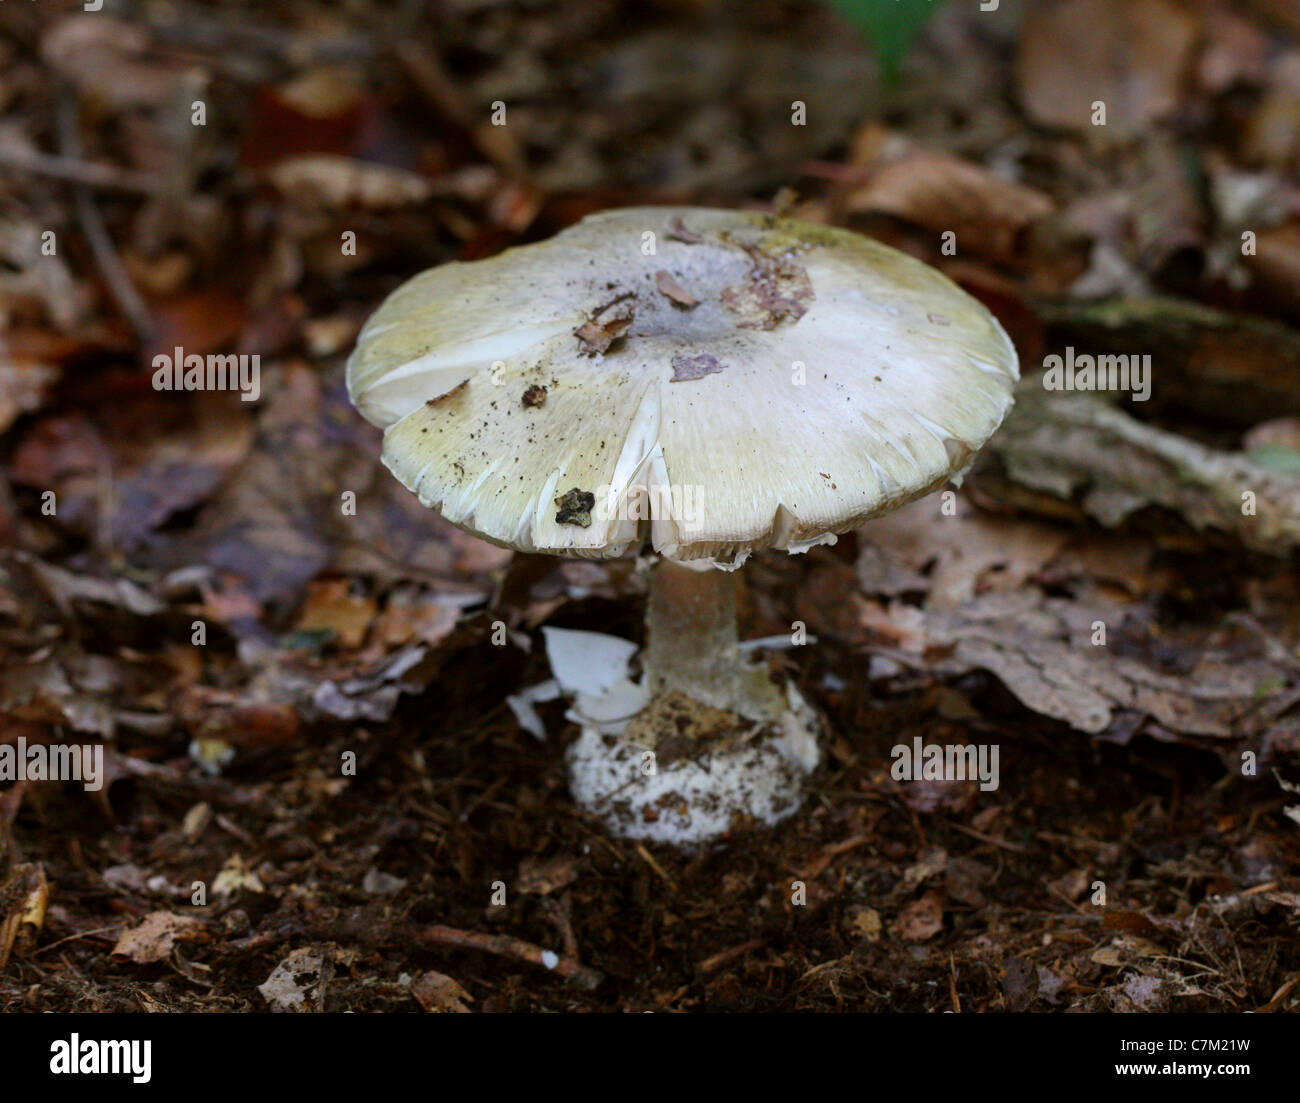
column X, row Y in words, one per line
column 575, row 508
column 535, row 395
column 674, row 290
column 457, row 390
column 778, row 288
column 686, row 368
column 596, row 336
column 678, row 232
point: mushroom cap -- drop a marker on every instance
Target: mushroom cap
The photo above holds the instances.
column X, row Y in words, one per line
column 713, row 381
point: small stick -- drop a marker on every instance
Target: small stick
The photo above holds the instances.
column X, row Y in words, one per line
column 92, row 224
column 649, row 860
column 89, row 173
column 726, row 957
column 1015, row 848
column 504, row 945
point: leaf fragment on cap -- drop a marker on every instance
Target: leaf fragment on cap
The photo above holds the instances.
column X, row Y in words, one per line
column 686, row 368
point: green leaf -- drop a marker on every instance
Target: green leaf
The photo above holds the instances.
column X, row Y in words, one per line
column 890, row 25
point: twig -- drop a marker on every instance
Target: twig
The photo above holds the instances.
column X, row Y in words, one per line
column 90, row 173
column 648, row 858
column 92, row 225
column 726, row 957
column 829, row 853
column 504, row 945
column 1015, row 848
column 433, row 81
column 97, row 932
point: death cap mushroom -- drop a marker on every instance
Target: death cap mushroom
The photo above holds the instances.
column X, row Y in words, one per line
column 759, row 381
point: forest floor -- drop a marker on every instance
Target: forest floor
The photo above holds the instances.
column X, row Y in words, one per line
column 330, row 759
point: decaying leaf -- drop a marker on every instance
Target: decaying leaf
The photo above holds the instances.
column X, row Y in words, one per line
column 596, row 337
column 334, row 607
column 154, row 938
column 679, row 232
column 546, row 876
column 1042, row 650
column 939, row 191
column 291, row 985
column 333, row 181
column 1075, row 447
column 776, row 290
column 437, row 992
column 1131, row 55
column 235, row 876
column 686, row 368
column 921, row 920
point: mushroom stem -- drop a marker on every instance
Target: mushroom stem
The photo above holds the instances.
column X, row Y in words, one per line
column 691, row 637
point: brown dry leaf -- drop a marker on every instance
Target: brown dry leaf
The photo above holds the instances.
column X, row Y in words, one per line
column 323, row 91
column 674, row 290
column 24, row 897
column 1272, row 134
column 170, row 454
column 156, row 935
column 899, row 624
column 65, row 687
column 929, row 862
column 678, row 232
column 332, row 606
column 1277, row 266
column 596, row 337
column 437, row 992
column 65, row 454
column 1118, row 558
column 199, row 322
column 1040, row 648
column 545, row 876
column 105, row 58
column 971, row 552
column 405, row 620
column 1129, row 54
column 32, row 282
column 1134, row 922
column 863, row 922
column 69, row 591
column 1124, row 949
column 1072, row 885
column 329, row 180
column 941, row 192
column 688, row 368
column 1064, row 451
column 291, row 983
column 963, row 881
column 268, row 524
column 921, row 920
column 776, row 290
column 1235, row 52
column 236, row 876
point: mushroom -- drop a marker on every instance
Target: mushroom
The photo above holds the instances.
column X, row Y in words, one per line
column 702, row 384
